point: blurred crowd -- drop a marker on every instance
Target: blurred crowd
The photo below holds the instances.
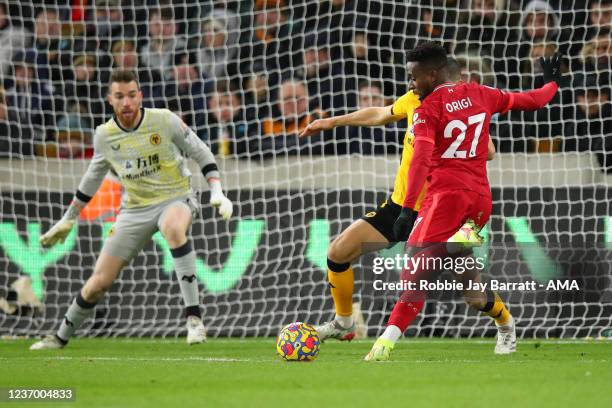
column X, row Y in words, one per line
column 247, row 76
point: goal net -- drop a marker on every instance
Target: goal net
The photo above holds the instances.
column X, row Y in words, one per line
column 247, row 76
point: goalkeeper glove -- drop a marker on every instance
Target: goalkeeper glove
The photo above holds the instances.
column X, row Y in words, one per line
column 59, row 232
column 404, row 223
column 551, row 66
column 219, row 200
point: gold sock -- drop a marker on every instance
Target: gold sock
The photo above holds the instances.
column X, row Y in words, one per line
column 499, row 312
column 341, row 284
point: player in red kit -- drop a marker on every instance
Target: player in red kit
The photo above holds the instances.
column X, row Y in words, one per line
column 451, row 129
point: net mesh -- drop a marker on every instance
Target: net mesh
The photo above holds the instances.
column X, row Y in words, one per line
column 247, row 76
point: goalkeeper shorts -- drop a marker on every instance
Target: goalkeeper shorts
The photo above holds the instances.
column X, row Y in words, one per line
column 135, row 226
column 383, row 218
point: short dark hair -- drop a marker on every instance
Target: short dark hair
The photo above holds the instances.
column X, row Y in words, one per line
column 429, row 53
column 123, row 76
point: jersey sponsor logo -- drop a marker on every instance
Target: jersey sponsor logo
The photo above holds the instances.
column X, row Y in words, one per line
column 458, row 105
column 145, row 173
column 150, row 165
column 155, row 139
column 115, row 147
column 147, row 161
column 416, row 120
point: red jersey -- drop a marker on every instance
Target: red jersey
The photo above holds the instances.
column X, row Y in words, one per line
column 455, row 118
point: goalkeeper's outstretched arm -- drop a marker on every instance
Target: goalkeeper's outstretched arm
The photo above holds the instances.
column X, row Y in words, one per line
column 372, row 116
column 194, row 148
column 89, row 185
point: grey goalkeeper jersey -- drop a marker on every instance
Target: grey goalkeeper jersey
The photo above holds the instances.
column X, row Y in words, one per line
column 149, row 160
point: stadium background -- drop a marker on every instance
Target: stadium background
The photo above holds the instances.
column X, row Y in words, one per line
column 221, row 65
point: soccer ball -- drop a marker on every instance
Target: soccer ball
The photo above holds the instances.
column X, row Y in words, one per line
column 298, row 342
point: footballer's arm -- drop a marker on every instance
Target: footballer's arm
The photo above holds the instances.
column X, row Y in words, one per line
column 536, row 98
column 193, row 147
column 89, row 185
column 372, row 116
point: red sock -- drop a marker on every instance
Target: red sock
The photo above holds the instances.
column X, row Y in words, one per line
column 410, row 303
column 404, row 313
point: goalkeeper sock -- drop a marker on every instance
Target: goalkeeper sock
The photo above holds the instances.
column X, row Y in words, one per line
column 78, row 311
column 496, row 308
column 341, row 281
column 184, row 265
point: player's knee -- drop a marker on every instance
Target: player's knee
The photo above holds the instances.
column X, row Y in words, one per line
column 174, row 236
column 97, row 286
column 340, row 251
column 95, row 289
column 475, row 299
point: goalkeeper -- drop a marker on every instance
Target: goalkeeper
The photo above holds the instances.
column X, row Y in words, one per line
column 376, row 227
column 146, row 148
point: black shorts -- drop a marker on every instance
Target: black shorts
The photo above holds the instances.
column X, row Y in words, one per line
column 383, row 218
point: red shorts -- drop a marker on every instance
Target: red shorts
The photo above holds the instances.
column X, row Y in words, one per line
column 443, row 213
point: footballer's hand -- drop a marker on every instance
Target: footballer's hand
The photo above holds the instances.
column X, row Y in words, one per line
column 551, row 66
column 220, row 201
column 59, row 232
column 404, row 223
column 319, row 125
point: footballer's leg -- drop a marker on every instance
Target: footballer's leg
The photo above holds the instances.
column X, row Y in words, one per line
column 439, row 217
column 344, row 250
column 133, row 229
column 490, row 303
column 374, row 229
column 174, row 223
column 372, row 232
column 106, row 271
column 406, row 309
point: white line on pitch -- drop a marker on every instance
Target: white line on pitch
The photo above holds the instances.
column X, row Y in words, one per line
column 205, row 359
column 359, row 341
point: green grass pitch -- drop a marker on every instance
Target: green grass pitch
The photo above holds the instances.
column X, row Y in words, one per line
column 247, row 373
